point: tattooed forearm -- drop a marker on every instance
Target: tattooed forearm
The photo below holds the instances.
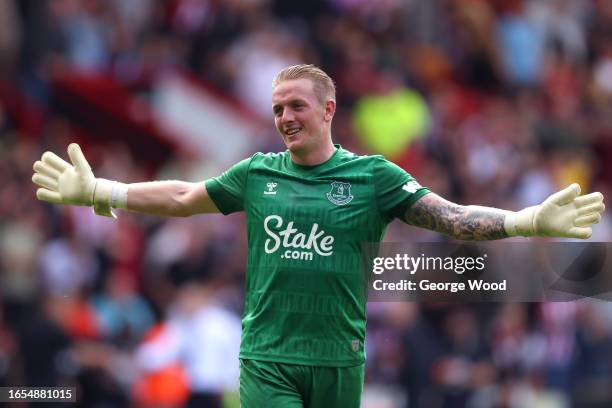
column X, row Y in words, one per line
column 460, row 222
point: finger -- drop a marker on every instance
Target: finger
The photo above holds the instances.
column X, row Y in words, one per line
column 589, row 209
column 46, row 170
column 580, row 232
column 588, row 199
column 45, row 181
column 565, row 196
column 77, row 158
column 587, row 220
column 55, row 161
column 50, row 196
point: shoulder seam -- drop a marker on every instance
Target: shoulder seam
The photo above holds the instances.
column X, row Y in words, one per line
column 246, row 181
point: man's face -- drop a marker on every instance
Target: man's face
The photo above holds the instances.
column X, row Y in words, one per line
column 299, row 116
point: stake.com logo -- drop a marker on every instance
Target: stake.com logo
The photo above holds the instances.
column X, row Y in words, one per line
column 290, row 237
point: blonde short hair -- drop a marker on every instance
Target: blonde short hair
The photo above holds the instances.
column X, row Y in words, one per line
column 324, row 86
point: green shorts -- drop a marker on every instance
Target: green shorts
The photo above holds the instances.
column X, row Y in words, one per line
column 279, row 385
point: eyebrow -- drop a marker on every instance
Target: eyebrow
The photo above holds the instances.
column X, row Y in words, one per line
column 290, row 102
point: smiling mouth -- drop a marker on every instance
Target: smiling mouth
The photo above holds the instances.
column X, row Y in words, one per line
column 292, row 132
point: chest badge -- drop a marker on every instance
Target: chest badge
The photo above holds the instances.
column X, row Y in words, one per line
column 340, row 193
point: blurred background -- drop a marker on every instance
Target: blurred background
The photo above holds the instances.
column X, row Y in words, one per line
column 491, row 102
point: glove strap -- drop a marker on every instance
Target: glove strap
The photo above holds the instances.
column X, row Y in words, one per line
column 102, row 197
column 109, row 194
column 520, row 223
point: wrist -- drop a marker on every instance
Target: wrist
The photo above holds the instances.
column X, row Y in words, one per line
column 119, row 195
column 520, row 223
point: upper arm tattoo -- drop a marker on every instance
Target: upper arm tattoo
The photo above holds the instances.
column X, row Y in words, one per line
column 461, row 222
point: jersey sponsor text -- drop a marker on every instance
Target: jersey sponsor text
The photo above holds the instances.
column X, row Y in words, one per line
column 291, row 237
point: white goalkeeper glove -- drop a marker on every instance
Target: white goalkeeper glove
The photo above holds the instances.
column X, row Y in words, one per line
column 564, row 214
column 63, row 183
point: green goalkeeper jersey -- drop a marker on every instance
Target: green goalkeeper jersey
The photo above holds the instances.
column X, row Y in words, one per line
column 305, row 297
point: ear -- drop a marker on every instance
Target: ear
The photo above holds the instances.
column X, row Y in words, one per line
column 330, row 110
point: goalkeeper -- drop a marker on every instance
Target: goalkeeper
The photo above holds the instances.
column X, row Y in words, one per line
column 308, row 211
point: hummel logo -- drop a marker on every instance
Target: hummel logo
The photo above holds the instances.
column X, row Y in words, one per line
column 271, row 188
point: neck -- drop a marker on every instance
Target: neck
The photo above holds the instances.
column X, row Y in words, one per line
column 314, row 157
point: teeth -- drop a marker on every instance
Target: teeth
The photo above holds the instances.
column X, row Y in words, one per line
column 292, row 131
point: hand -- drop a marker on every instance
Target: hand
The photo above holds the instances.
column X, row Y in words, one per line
column 64, row 183
column 564, row 214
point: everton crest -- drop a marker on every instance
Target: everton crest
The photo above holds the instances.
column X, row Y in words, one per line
column 340, row 193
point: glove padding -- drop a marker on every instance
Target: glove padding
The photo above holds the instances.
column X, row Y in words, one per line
column 63, row 183
column 564, row 214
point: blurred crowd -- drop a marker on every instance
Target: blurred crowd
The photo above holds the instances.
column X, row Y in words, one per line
column 490, row 102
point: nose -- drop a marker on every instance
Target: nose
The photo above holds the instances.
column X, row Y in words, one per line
column 287, row 116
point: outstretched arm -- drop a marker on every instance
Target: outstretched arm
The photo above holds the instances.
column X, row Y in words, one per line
column 65, row 183
column 461, row 222
column 564, row 214
column 170, row 198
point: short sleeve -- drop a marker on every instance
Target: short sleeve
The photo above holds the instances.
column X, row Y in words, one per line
column 396, row 190
column 227, row 190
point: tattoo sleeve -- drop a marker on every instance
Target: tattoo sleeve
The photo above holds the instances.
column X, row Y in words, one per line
column 461, row 222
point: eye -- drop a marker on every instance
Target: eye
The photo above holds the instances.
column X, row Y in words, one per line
column 277, row 111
